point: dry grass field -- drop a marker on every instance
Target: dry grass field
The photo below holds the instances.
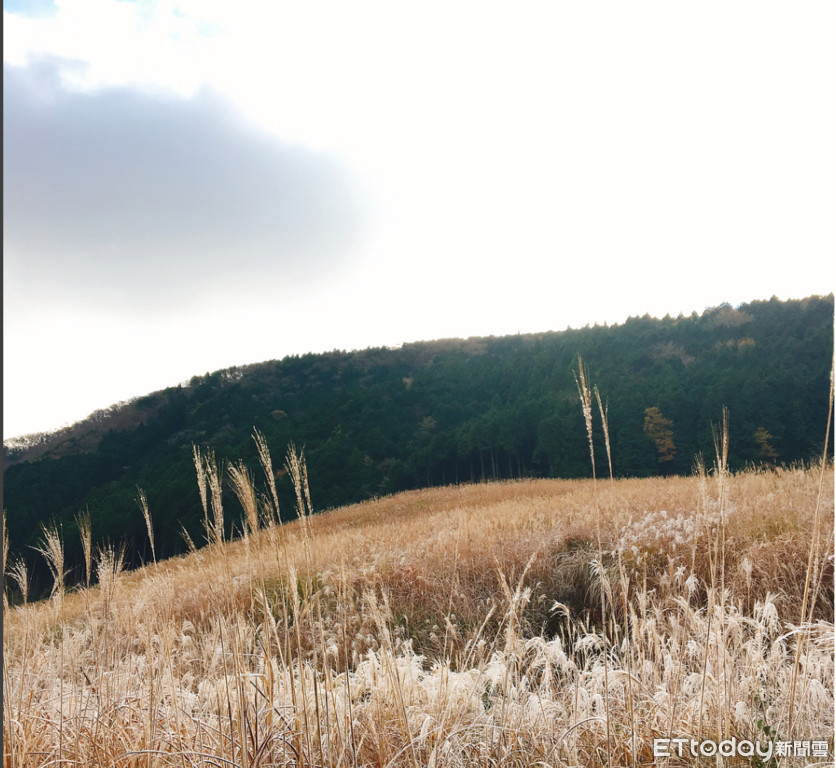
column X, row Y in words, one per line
column 532, row 623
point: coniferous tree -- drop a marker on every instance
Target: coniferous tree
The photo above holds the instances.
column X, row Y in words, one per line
column 658, row 429
column 766, row 452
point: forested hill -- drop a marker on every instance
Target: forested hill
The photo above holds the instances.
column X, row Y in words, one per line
column 382, row 420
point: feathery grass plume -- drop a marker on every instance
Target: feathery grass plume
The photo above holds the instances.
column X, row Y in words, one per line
column 188, row 539
column 720, row 436
column 5, row 558
column 296, row 468
column 586, row 405
column 85, row 532
column 721, row 468
column 813, row 554
column 242, row 485
column 110, row 561
column 52, row 549
column 305, row 485
column 200, row 470
column 142, row 501
column 216, row 496
column 20, row 573
column 5, row 542
column 267, row 466
column 604, row 410
column 518, row 599
column 209, row 484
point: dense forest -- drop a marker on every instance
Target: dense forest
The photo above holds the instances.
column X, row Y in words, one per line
column 382, row 420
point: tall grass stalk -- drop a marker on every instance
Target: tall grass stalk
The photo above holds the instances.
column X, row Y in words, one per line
column 210, row 486
column 604, row 411
column 242, row 485
column 297, row 469
column 721, row 470
column 5, row 557
column 586, row 405
column 52, row 549
column 200, row 470
column 5, row 562
column 85, row 533
column 267, row 466
column 813, row 554
column 142, row 502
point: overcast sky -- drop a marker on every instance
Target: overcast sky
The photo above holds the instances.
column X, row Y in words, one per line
column 190, row 185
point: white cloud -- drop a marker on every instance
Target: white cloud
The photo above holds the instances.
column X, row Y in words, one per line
column 131, row 201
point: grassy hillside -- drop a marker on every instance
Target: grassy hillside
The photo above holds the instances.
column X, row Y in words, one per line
column 526, row 623
column 384, row 420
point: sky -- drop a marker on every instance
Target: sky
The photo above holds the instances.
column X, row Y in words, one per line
column 191, row 185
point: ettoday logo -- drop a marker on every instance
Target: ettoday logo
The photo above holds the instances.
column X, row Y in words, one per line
column 742, row 748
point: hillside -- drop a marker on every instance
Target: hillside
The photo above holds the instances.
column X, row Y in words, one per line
column 380, row 421
column 528, row 623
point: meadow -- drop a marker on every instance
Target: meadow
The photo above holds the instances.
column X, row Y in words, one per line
column 541, row 622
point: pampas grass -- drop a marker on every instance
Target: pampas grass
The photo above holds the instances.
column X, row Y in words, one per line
column 19, row 572
column 142, row 501
column 533, row 623
column 85, row 532
column 586, row 407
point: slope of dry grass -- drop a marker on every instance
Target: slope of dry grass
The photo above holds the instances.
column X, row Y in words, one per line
column 448, row 627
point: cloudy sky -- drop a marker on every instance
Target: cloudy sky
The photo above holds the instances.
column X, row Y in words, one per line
column 190, row 185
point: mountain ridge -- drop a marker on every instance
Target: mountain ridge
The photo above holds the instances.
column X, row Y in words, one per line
column 130, row 413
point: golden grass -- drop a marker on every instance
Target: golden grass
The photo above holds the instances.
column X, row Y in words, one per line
column 448, row 627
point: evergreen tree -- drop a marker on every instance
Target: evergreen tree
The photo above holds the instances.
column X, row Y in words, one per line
column 658, row 429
